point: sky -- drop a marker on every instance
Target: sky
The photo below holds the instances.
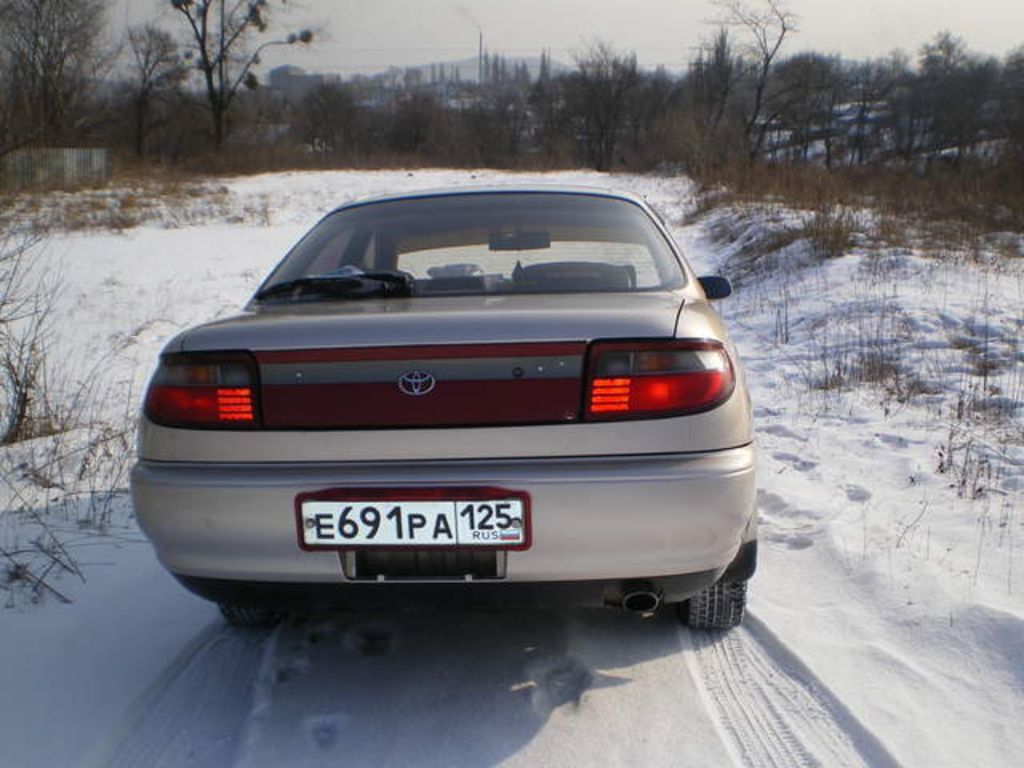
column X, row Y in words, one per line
column 363, row 36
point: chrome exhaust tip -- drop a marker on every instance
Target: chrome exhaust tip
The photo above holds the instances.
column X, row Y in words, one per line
column 641, row 601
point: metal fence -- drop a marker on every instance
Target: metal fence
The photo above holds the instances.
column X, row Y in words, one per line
column 53, row 167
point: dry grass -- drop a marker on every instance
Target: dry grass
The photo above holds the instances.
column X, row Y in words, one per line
column 126, row 202
column 182, row 193
column 830, row 231
column 973, row 199
column 246, row 161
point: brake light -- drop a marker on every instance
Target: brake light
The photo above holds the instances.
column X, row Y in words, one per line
column 204, row 390
column 652, row 379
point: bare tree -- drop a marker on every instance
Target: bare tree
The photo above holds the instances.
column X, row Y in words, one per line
column 500, row 120
column 220, row 30
column 908, row 108
column 766, row 25
column 810, row 88
column 871, row 84
column 1011, row 102
column 157, row 71
column 51, row 51
column 10, row 139
column 547, row 102
column 651, row 120
column 325, row 118
column 715, row 76
column 600, row 91
column 418, row 125
column 955, row 85
column 710, row 87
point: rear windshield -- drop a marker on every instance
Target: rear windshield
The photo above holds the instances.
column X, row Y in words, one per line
column 492, row 243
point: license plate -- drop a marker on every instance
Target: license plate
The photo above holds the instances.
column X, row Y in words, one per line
column 327, row 520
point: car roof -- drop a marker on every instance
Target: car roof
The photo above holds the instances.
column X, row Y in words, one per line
column 492, row 189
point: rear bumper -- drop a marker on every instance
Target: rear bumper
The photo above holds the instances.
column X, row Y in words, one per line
column 599, row 592
column 594, row 519
column 590, row 592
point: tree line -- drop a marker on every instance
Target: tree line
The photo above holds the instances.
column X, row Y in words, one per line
column 187, row 89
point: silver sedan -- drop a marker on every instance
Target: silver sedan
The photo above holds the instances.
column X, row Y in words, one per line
column 480, row 395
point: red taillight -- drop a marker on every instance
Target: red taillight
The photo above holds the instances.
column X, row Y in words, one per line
column 207, row 390
column 650, row 379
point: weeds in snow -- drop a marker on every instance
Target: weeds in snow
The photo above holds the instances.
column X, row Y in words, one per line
column 25, row 303
column 61, row 461
column 928, row 331
column 970, row 470
column 830, row 231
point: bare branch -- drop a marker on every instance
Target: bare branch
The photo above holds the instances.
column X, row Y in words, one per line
column 222, row 58
column 766, row 25
column 50, row 52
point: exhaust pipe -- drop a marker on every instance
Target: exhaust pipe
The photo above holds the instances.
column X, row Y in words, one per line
column 641, row 601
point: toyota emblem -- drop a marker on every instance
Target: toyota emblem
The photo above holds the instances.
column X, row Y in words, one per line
column 417, row 383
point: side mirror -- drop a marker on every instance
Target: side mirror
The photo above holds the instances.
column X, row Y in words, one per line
column 715, row 287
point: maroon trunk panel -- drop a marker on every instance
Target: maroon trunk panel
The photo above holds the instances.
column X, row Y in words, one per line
column 451, row 403
column 434, row 351
column 472, row 385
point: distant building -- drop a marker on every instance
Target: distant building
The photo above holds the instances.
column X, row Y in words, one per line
column 492, row 68
column 293, row 83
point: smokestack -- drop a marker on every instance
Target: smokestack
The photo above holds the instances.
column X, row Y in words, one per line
column 463, row 11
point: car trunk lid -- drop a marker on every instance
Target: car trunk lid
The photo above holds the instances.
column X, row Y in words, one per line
column 432, row 362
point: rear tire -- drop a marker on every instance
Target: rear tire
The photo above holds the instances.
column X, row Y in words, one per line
column 249, row 616
column 720, row 606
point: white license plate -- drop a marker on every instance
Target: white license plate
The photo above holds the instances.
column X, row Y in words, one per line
column 498, row 523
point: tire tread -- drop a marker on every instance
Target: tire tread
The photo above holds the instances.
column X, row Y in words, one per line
column 720, row 606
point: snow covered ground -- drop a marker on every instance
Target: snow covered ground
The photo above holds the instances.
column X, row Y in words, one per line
column 887, row 618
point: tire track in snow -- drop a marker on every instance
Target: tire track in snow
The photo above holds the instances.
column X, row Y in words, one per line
column 771, row 708
column 194, row 712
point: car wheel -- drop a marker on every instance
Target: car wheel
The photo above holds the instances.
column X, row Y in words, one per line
column 248, row 616
column 720, row 606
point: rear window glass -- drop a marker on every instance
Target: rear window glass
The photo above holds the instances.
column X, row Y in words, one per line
column 486, row 243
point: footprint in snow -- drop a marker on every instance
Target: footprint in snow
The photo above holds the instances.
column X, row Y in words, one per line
column 288, row 669
column 893, row 441
column 323, row 630
column 780, row 430
column 788, row 539
column 800, row 465
column 782, row 523
column 857, row 493
column 324, row 730
column 771, row 505
column 557, row 681
column 370, row 641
